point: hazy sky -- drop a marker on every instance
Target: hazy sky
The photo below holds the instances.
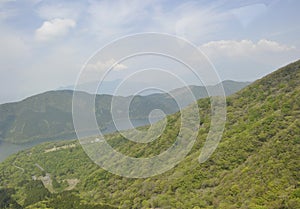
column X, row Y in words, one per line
column 45, row 43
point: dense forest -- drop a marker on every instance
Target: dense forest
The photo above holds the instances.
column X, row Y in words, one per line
column 256, row 165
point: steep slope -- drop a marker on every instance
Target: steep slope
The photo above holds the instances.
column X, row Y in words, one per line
column 256, row 165
column 49, row 115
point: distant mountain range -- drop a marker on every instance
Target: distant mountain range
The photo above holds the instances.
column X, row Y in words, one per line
column 255, row 166
column 133, row 88
column 48, row 115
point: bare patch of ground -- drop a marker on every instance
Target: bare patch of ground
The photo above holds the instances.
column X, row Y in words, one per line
column 72, row 183
column 60, row 148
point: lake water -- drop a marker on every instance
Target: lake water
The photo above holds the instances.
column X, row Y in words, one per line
column 7, row 149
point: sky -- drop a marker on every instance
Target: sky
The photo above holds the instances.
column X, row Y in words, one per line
column 45, row 44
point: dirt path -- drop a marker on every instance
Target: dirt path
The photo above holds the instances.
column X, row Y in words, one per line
column 22, row 169
column 72, row 184
column 40, row 167
column 60, row 148
column 47, row 181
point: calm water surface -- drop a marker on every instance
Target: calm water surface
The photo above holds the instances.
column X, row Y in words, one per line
column 7, row 149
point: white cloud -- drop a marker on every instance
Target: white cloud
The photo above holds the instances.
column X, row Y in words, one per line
column 54, row 28
column 232, row 48
column 97, row 68
column 194, row 21
column 246, row 59
column 273, row 46
column 103, row 66
column 107, row 19
column 191, row 20
column 94, row 23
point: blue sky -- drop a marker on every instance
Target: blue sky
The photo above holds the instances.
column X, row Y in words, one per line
column 45, row 43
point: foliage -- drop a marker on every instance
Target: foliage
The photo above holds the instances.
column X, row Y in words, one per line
column 48, row 116
column 256, row 165
column 6, row 199
column 35, row 192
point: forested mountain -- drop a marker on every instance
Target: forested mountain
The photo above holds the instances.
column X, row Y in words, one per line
column 256, row 164
column 109, row 87
column 49, row 115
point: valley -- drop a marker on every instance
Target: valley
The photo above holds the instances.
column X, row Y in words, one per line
column 256, row 164
column 48, row 117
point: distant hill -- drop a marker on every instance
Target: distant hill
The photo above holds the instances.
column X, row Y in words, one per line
column 49, row 115
column 256, row 164
column 108, row 87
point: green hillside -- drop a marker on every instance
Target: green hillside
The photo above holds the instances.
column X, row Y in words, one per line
column 49, row 115
column 256, row 165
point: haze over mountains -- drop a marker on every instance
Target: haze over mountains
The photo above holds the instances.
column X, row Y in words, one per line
column 134, row 87
column 48, row 116
column 102, row 104
column 256, row 165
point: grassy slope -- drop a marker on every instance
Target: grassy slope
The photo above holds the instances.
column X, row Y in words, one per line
column 256, row 165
